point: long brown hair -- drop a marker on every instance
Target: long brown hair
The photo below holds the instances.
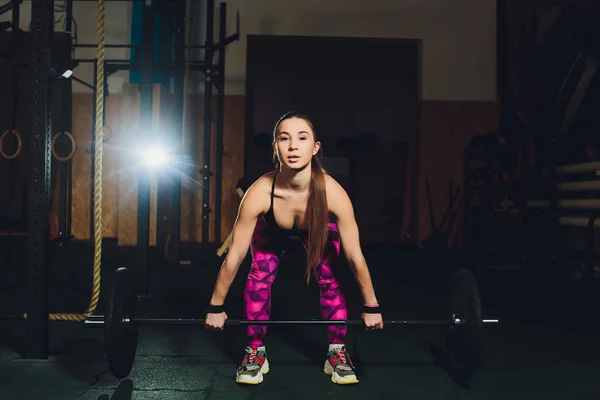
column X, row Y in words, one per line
column 317, row 209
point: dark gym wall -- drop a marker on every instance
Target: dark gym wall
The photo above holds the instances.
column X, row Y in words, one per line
column 447, row 127
column 349, row 87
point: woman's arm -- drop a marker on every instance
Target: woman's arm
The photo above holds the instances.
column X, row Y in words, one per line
column 251, row 206
column 340, row 204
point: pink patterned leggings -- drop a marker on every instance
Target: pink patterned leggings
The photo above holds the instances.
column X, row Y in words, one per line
column 257, row 296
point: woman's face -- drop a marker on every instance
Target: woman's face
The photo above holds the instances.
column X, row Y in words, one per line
column 295, row 143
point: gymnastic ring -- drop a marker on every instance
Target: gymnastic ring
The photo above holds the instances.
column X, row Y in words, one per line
column 19, row 144
column 69, row 156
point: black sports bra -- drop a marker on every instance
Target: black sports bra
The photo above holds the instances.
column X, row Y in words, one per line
column 272, row 223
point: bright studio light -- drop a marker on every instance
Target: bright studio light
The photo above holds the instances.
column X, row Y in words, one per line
column 67, row 74
column 155, row 157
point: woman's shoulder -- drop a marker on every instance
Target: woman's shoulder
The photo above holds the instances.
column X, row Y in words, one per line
column 260, row 190
column 335, row 192
column 267, row 179
column 332, row 186
column 261, row 187
column 263, row 180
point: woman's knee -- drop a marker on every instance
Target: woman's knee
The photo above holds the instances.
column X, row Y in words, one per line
column 326, row 274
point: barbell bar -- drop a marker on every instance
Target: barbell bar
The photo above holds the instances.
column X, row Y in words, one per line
column 94, row 320
column 463, row 327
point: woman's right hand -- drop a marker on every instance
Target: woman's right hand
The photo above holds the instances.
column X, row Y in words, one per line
column 215, row 321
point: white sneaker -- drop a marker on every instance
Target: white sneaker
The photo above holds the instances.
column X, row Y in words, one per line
column 253, row 366
column 339, row 366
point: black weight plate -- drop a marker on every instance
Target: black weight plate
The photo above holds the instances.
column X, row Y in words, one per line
column 464, row 340
column 120, row 337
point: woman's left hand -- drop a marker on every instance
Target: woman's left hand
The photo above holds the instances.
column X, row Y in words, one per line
column 373, row 321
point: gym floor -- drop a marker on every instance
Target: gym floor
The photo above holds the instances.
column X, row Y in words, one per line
column 544, row 348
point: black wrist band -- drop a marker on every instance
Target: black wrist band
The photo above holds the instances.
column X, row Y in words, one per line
column 371, row 309
column 212, row 309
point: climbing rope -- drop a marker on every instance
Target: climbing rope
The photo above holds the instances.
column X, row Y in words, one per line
column 97, row 180
column 98, row 147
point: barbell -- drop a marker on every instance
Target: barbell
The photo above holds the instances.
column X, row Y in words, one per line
column 463, row 334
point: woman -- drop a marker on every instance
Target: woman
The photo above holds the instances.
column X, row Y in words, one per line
column 298, row 201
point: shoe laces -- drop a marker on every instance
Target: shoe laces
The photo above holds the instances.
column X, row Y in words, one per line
column 251, row 356
column 340, row 354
